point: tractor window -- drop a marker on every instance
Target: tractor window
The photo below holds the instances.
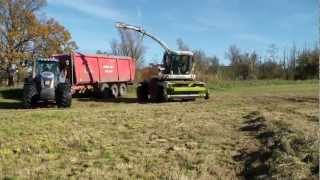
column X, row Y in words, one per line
column 47, row 66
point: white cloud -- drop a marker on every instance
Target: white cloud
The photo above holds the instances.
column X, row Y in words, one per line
column 97, row 8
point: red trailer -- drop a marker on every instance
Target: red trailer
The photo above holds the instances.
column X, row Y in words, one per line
column 107, row 75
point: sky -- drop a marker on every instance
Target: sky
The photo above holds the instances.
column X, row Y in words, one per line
column 210, row 25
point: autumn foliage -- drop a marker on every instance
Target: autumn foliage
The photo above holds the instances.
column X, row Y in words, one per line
column 24, row 35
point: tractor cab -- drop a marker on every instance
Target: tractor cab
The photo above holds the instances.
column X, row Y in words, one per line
column 47, row 68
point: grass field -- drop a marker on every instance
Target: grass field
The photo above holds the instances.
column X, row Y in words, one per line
column 255, row 129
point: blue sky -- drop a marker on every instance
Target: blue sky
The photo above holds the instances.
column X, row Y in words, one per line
column 210, row 25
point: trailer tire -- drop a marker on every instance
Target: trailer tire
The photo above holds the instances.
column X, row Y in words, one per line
column 142, row 93
column 63, row 95
column 123, row 90
column 29, row 95
column 114, row 91
column 104, row 91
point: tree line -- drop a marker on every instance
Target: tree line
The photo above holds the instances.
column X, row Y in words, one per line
column 25, row 35
column 290, row 64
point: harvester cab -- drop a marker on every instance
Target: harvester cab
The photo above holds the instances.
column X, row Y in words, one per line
column 178, row 65
column 176, row 79
column 47, row 83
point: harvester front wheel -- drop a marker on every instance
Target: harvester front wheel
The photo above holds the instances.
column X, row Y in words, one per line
column 207, row 96
column 142, row 93
column 161, row 93
column 63, row 95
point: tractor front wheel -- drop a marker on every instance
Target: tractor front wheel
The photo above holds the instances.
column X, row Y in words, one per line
column 29, row 95
column 63, row 95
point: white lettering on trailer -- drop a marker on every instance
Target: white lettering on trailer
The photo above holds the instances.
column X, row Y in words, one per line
column 108, row 68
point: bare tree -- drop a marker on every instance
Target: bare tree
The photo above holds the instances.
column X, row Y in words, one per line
column 243, row 64
column 182, row 46
column 130, row 45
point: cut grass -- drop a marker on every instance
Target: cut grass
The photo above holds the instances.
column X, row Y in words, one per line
column 122, row 139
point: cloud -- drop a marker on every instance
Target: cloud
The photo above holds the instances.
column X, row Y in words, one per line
column 96, row 8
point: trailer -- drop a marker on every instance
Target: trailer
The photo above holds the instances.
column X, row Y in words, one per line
column 106, row 75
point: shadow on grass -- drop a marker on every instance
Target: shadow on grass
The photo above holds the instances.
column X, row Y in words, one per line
column 11, row 94
column 109, row 100
column 12, row 99
column 14, row 94
column 11, row 105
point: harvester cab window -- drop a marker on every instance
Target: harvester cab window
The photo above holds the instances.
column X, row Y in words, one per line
column 179, row 64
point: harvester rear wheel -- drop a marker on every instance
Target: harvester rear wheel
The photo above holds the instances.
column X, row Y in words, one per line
column 63, row 95
column 142, row 93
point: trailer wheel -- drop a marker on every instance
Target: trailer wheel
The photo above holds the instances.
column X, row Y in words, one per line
column 114, row 91
column 123, row 89
column 63, row 95
column 104, row 91
column 29, row 95
column 142, row 93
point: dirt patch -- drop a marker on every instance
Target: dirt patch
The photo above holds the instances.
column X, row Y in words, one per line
column 282, row 153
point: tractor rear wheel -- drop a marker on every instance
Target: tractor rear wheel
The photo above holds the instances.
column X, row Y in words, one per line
column 29, row 95
column 63, row 95
column 142, row 93
column 123, row 89
column 114, row 91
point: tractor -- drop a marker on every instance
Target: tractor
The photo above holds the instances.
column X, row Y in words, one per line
column 48, row 82
column 176, row 78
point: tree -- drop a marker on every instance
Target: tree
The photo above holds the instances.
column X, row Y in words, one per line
column 52, row 38
column 23, row 36
column 182, row 46
column 243, row 65
column 101, row 52
column 308, row 64
column 17, row 24
column 205, row 66
column 130, row 45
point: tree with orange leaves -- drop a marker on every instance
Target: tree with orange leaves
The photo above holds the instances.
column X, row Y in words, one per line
column 23, row 36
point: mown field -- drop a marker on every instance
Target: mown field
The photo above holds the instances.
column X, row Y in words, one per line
column 252, row 130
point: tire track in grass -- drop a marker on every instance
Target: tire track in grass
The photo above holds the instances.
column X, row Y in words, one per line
column 282, row 152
